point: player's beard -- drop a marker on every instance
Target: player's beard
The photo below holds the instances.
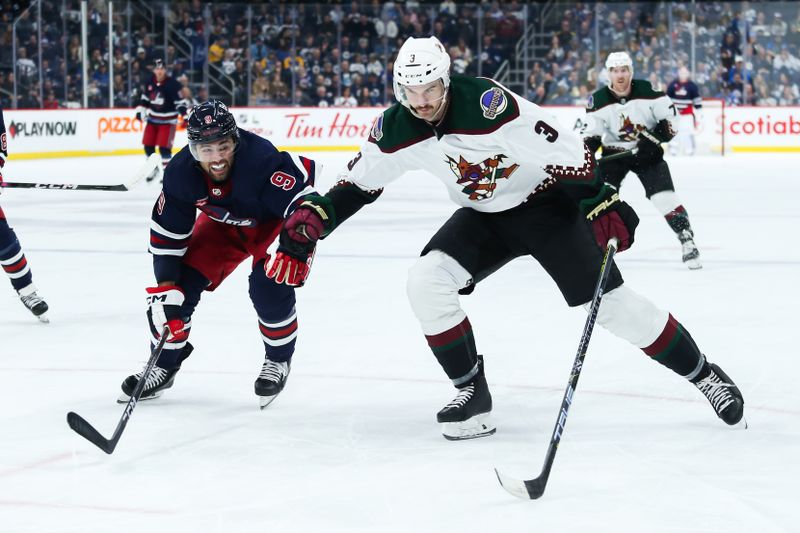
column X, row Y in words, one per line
column 221, row 174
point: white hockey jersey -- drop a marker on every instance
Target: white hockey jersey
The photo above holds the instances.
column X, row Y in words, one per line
column 617, row 121
column 492, row 148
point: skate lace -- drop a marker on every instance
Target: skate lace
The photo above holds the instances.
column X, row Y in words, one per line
column 717, row 391
column 464, row 395
column 156, row 377
column 273, row 371
column 32, row 300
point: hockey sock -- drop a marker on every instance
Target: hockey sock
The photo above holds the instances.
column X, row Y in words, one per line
column 678, row 219
column 279, row 337
column 166, row 156
column 149, row 150
column 15, row 265
column 676, row 350
column 456, row 352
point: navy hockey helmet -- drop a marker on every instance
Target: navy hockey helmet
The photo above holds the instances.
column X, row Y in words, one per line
column 208, row 122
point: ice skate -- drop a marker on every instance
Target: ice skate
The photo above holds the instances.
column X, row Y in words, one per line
column 725, row 397
column 271, row 381
column 468, row 415
column 691, row 255
column 159, row 380
column 35, row 304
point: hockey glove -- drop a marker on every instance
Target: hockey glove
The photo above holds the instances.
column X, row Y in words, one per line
column 301, row 231
column 140, row 114
column 610, row 217
column 164, row 308
column 648, row 150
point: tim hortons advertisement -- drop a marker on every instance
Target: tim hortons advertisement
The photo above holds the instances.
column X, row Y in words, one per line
column 74, row 133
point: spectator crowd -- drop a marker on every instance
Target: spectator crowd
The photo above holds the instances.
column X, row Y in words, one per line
column 340, row 53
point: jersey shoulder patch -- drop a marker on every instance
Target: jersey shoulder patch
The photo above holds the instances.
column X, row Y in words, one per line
column 599, row 99
column 396, row 128
column 478, row 106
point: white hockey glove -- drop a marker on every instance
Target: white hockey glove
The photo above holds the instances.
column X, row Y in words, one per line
column 163, row 308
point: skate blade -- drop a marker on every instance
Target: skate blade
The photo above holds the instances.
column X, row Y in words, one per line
column 472, row 428
column 124, row 398
column 741, row 424
column 693, row 264
column 264, row 401
column 43, row 318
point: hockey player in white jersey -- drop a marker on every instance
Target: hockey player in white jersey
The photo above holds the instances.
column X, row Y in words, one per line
column 509, row 165
column 629, row 116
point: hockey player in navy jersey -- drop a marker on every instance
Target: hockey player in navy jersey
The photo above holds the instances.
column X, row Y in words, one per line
column 244, row 188
column 12, row 259
column 686, row 97
column 160, row 104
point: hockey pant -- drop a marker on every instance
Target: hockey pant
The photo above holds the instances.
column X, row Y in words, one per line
column 472, row 245
column 214, row 252
column 658, row 187
column 13, row 261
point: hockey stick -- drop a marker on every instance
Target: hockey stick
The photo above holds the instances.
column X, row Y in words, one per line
column 534, row 488
column 87, row 431
column 150, row 166
column 618, row 155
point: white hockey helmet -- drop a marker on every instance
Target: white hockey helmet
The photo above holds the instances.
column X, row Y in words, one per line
column 420, row 61
column 619, row 59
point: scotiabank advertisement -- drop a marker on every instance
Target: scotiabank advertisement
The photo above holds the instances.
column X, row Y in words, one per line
column 33, row 134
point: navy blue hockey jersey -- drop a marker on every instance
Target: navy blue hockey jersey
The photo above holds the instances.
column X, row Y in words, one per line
column 263, row 185
column 685, row 95
column 163, row 101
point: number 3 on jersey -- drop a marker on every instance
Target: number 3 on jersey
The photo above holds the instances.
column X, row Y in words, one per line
column 283, row 180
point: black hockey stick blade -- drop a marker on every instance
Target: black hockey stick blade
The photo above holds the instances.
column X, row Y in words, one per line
column 87, row 431
column 526, row 490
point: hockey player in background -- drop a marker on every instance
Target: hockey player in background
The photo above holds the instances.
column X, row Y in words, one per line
column 243, row 188
column 686, row 97
column 12, row 259
column 509, row 165
column 628, row 115
column 159, row 106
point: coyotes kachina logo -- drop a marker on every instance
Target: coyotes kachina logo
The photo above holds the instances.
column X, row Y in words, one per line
column 628, row 131
column 480, row 179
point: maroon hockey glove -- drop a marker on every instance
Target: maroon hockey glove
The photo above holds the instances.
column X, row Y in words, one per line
column 610, row 217
column 164, row 304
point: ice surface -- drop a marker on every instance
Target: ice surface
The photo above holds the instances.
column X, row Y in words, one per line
column 352, row 443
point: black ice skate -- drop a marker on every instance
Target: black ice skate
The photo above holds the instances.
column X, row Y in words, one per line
column 271, row 380
column 467, row 416
column 35, row 304
column 159, row 380
column 724, row 396
column 691, row 255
